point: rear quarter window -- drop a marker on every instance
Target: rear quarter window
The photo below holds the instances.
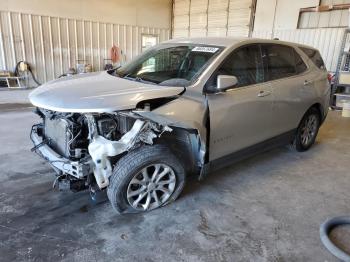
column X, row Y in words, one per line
column 299, row 63
column 282, row 61
column 315, row 57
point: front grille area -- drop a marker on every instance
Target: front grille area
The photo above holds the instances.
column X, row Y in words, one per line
column 58, row 134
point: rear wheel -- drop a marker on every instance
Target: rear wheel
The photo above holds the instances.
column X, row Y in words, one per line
column 145, row 179
column 307, row 131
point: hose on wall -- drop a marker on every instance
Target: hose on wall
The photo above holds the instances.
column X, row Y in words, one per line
column 28, row 68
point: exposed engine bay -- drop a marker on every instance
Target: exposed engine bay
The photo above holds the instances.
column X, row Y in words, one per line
column 83, row 147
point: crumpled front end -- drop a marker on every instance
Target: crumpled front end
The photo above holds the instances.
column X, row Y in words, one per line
column 83, row 147
column 101, row 148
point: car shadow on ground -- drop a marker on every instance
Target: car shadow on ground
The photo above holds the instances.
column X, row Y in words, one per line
column 237, row 169
column 68, row 203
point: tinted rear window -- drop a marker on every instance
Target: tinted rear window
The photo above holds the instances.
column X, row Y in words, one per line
column 315, row 56
column 299, row 63
column 282, row 61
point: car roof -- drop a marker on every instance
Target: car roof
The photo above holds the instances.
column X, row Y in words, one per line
column 228, row 41
column 219, row 41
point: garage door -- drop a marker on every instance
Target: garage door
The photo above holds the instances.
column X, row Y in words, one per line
column 212, row 18
column 181, row 19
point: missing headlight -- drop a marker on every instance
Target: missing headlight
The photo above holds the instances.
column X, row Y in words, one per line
column 107, row 127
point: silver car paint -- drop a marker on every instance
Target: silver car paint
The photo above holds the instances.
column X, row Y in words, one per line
column 188, row 111
column 294, row 95
column 238, row 118
column 96, row 93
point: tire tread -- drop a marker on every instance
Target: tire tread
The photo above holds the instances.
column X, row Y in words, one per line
column 131, row 161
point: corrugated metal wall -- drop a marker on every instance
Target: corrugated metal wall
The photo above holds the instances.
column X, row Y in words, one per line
column 212, row 17
column 327, row 40
column 54, row 44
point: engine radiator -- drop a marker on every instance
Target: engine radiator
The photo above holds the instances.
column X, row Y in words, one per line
column 58, row 132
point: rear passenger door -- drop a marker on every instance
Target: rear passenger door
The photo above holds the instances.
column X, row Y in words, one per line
column 291, row 84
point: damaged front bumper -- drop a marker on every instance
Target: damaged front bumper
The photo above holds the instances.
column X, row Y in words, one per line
column 77, row 169
column 101, row 149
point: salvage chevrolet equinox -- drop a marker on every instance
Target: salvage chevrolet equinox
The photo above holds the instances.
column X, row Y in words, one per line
column 184, row 107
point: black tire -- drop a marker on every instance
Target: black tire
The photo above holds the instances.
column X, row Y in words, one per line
column 131, row 164
column 298, row 143
column 325, row 231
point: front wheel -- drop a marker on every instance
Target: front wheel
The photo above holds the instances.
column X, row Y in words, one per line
column 307, row 131
column 144, row 179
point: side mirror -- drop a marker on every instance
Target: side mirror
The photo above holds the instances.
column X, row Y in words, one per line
column 225, row 82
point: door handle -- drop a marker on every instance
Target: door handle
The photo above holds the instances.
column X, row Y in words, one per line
column 263, row 93
column 307, row 82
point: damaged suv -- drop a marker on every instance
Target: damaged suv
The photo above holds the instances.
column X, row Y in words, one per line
column 183, row 107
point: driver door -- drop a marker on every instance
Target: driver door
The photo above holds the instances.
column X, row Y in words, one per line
column 241, row 116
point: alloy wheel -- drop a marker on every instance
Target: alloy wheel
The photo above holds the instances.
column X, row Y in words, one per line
column 309, row 130
column 151, row 187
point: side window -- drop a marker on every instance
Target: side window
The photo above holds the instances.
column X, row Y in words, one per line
column 280, row 61
column 244, row 63
column 315, row 57
column 299, row 63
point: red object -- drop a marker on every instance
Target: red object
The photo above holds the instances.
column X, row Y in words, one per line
column 115, row 54
column 330, row 77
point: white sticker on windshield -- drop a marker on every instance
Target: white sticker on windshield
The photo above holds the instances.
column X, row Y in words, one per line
column 206, row 49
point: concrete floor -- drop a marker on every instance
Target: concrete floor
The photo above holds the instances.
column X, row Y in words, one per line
column 13, row 99
column 15, row 96
column 267, row 208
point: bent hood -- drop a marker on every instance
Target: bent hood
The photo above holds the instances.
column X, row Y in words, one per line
column 96, row 93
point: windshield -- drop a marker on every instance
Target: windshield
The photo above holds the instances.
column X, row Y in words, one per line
column 170, row 65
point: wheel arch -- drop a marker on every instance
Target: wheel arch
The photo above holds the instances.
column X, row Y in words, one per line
column 319, row 108
column 185, row 145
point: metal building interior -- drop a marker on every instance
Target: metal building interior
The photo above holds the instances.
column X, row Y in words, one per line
column 269, row 207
